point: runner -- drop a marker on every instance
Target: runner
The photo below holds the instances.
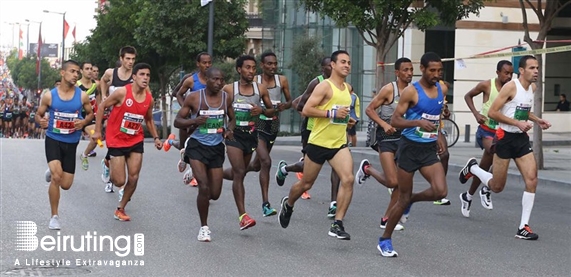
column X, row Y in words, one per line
column 512, row 109
column 64, row 104
column 208, row 109
column 329, row 106
column 2, row 107
column 246, row 102
column 421, row 105
column 16, row 117
column 95, row 72
column 355, row 114
column 132, row 104
column 8, row 118
column 89, row 86
column 486, row 131
column 24, row 115
column 112, row 79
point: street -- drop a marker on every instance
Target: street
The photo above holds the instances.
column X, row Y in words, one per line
column 437, row 240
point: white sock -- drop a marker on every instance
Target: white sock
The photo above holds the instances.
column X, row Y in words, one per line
column 332, row 204
column 469, row 196
column 483, row 175
column 283, row 170
column 526, row 207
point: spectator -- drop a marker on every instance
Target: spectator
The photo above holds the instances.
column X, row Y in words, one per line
column 563, row 104
column 355, row 114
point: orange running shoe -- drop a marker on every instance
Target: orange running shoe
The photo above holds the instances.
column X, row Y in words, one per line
column 166, row 144
column 193, row 182
column 246, row 222
column 299, row 175
column 305, row 195
column 121, row 215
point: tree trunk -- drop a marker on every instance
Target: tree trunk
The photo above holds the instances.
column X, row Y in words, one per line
column 163, row 90
column 538, row 111
column 380, row 70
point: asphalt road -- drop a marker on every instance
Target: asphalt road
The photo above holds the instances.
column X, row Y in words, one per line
column 437, row 240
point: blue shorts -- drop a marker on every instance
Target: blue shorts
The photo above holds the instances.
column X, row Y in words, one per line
column 482, row 134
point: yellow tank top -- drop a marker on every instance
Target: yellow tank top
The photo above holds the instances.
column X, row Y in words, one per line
column 331, row 132
column 486, row 107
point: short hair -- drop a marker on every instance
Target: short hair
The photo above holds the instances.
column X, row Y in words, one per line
column 240, row 61
column 325, row 61
column 84, row 63
column 502, row 63
column 268, row 54
column 127, row 50
column 563, row 94
column 199, row 56
column 68, row 63
column 213, row 70
column 337, row 53
column 140, row 66
column 429, row 57
column 401, row 60
column 523, row 60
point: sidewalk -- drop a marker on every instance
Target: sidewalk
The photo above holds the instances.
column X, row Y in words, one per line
column 556, row 155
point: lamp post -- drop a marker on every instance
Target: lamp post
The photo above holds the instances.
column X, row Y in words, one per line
column 30, row 22
column 62, row 36
column 13, row 26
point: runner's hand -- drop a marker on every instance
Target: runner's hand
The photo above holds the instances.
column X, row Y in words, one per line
column 256, row 110
column 158, row 144
column 201, row 120
column 44, row 122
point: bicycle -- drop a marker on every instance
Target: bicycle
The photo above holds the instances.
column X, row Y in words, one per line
column 451, row 131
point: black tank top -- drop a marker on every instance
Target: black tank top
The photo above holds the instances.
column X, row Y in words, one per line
column 116, row 82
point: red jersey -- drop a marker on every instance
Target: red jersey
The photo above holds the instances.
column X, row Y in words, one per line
column 124, row 126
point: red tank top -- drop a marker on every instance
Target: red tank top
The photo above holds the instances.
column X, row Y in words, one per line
column 124, row 126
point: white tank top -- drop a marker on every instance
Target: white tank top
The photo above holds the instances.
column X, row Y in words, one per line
column 518, row 108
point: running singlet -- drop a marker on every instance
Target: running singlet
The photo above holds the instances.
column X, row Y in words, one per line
column 211, row 133
column 117, row 83
column 490, row 123
column 426, row 109
column 89, row 91
column 243, row 105
column 196, row 85
column 386, row 112
column 124, row 126
column 271, row 125
column 331, row 132
column 307, row 123
column 518, row 108
column 63, row 113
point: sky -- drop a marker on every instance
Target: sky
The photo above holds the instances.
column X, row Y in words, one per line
column 78, row 12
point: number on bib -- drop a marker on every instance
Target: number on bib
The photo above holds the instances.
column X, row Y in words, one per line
column 243, row 114
column 131, row 123
column 64, row 122
column 214, row 123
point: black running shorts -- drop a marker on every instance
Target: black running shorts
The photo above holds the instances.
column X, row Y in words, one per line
column 319, row 154
column 63, row 152
column 268, row 139
column 412, row 155
column 511, row 145
column 247, row 141
column 211, row 156
column 125, row 151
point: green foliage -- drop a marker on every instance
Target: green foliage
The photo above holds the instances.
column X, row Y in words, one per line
column 306, row 59
column 229, row 69
column 24, row 72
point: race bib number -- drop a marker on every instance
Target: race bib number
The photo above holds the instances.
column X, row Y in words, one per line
column 8, row 115
column 435, row 119
column 63, row 123
column 522, row 112
column 341, row 121
column 131, row 123
column 243, row 114
column 275, row 105
column 214, row 124
column 32, row 116
column 492, row 123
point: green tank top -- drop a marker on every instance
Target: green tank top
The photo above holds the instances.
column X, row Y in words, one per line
column 486, row 107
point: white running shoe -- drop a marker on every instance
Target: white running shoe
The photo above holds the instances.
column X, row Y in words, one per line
column 204, row 234
column 466, row 204
column 109, row 187
column 361, row 176
column 181, row 164
column 187, row 177
column 48, row 175
column 486, row 198
column 121, row 192
column 54, row 223
column 105, row 170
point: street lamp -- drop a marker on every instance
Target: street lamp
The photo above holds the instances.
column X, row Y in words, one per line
column 28, row 39
column 13, row 26
column 63, row 35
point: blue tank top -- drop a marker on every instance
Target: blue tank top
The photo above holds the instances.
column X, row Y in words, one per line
column 428, row 109
column 211, row 133
column 197, row 85
column 62, row 115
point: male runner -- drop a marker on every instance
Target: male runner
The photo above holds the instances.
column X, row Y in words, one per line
column 132, row 104
column 64, row 104
column 208, row 109
column 246, row 102
column 421, row 105
column 112, row 79
column 95, row 72
column 512, row 109
column 486, row 131
column 329, row 106
column 89, row 86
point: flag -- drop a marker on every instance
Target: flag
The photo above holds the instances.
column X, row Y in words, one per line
column 73, row 32
column 21, row 44
column 39, row 60
column 204, row 2
column 65, row 28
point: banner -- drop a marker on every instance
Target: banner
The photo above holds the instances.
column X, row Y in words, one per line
column 204, row 2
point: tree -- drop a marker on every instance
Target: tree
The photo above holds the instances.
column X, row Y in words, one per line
column 24, row 72
column 381, row 23
column 545, row 17
column 306, row 59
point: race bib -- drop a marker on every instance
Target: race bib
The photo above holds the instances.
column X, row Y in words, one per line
column 215, row 122
column 63, row 123
column 243, row 114
column 131, row 123
column 435, row 119
column 492, row 123
column 32, row 116
column 341, row 121
column 522, row 112
column 275, row 105
column 8, row 115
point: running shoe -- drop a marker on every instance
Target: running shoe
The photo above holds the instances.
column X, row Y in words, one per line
column 280, row 176
column 92, row 154
column 361, row 175
column 187, row 177
column 181, row 164
column 48, row 175
column 465, row 173
column 267, row 210
column 384, row 221
column 466, row 204
column 299, row 175
column 121, row 215
column 405, row 214
column 193, row 182
column 285, row 213
column 105, row 170
column 54, row 223
column 246, row 222
column 305, row 195
column 486, row 198
column 443, row 202
column 332, row 210
column 338, row 231
column 109, row 187
column 526, row 233
column 84, row 162
column 204, row 234
column 167, row 144
column 385, row 246
column 121, row 193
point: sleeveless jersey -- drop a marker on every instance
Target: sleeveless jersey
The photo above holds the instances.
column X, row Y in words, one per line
column 63, row 113
column 89, row 91
column 16, row 110
column 117, row 83
column 196, row 85
column 331, row 132
column 124, row 124
column 426, row 109
column 518, row 108
column 271, row 125
column 243, row 105
column 211, row 133
column 307, row 123
column 490, row 123
column 386, row 112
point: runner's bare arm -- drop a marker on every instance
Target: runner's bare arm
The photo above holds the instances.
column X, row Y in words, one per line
column 506, row 94
column 186, row 85
column 285, row 89
column 104, row 83
column 380, row 98
column 319, row 93
column 183, row 119
column 45, row 102
column 269, row 110
column 114, row 99
column 408, row 98
column 87, row 107
column 306, row 94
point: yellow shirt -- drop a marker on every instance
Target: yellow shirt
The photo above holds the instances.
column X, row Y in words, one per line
column 331, row 132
